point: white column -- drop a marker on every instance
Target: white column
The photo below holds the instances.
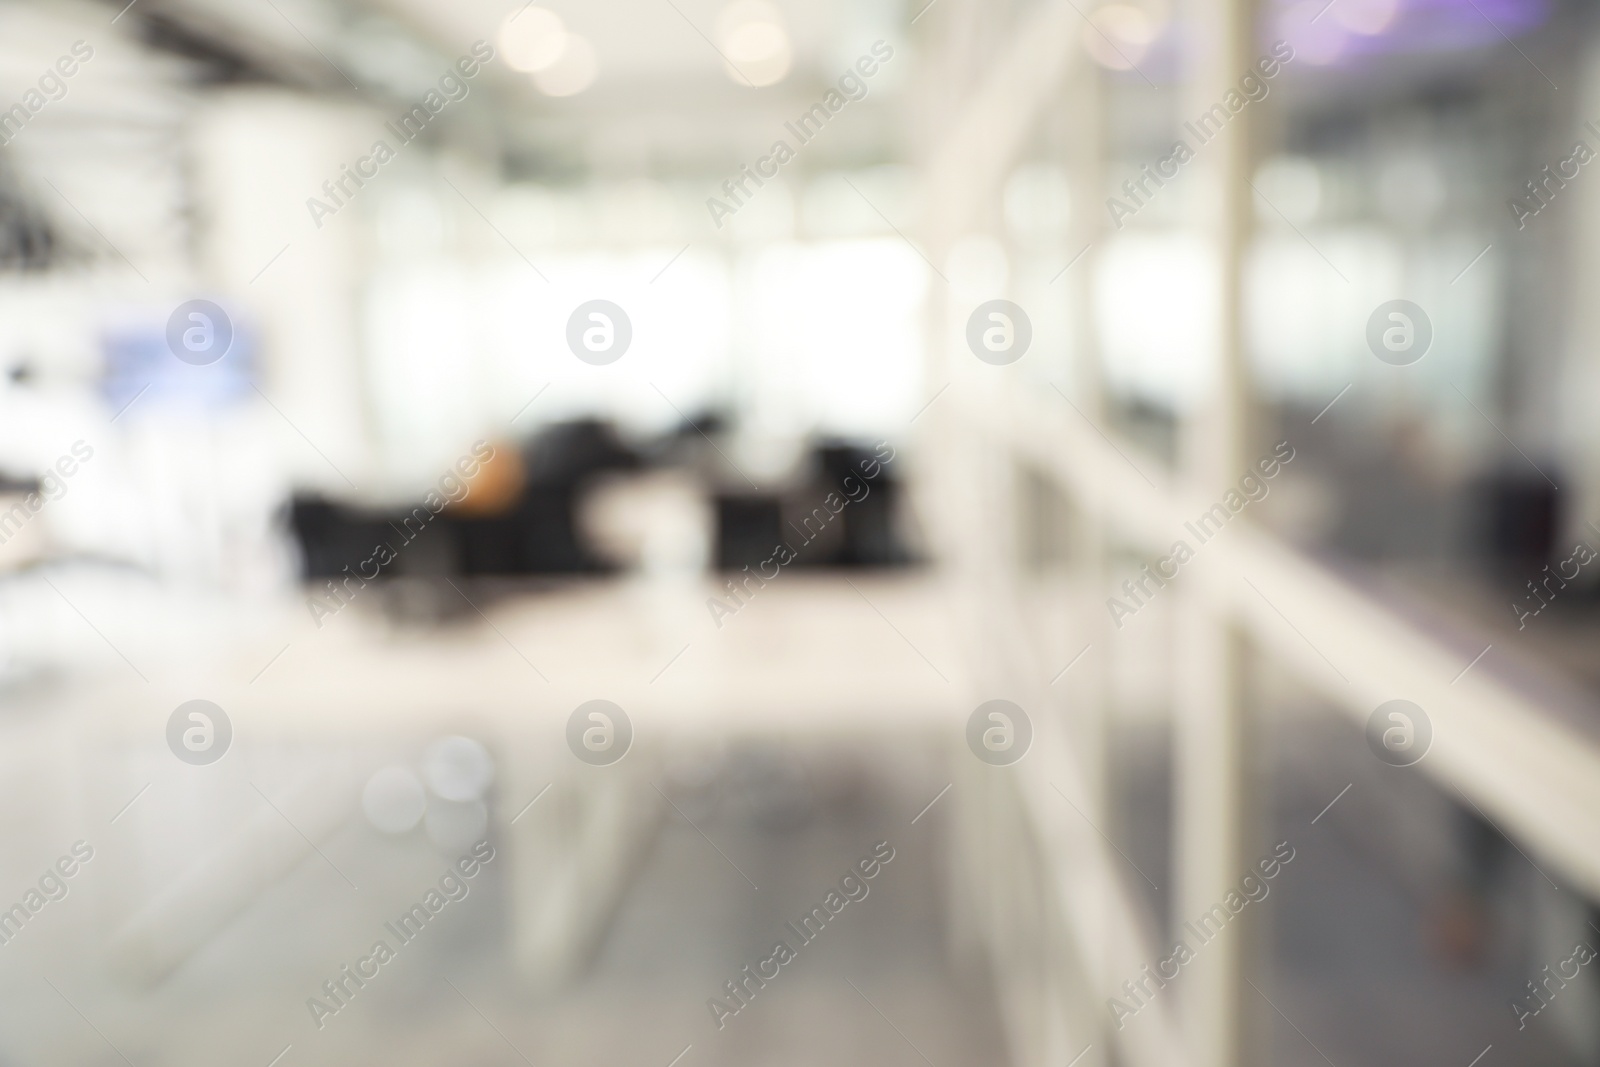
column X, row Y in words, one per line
column 260, row 155
column 1212, row 788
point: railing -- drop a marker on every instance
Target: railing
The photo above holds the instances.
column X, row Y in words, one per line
column 1055, row 904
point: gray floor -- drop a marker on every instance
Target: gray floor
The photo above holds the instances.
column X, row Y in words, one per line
column 1353, row 962
column 1351, row 958
column 873, row 987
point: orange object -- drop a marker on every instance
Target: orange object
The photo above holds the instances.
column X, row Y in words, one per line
column 494, row 489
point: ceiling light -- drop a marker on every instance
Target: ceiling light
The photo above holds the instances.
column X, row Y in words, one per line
column 754, row 42
column 533, row 40
column 573, row 72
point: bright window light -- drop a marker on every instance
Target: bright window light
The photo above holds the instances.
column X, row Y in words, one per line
column 1162, row 357
column 835, row 332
